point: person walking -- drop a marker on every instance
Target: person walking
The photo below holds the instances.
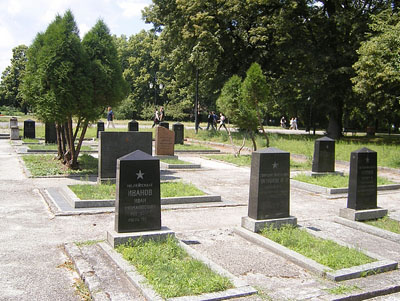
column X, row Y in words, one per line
column 210, row 120
column 110, row 118
column 283, row 122
column 162, row 114
column 156, row 118
column 222, row 121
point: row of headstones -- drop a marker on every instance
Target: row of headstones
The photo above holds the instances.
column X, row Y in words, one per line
column 138, row 190
column 30, row 132
column 133, row 126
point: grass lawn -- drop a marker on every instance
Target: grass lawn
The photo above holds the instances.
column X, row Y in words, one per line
column 174, row 161
column 54, row 147
column 245, row 160
column 386, row 223
column 170, row 270
column 334, row 181
column 107, row 191
column 45, row 165
column 325, row 252
column 191, row 147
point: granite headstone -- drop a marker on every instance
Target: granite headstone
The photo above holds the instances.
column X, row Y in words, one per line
column 50, row 135
column 29, row 129
column 165, row 139
column 100, row 127
column 269, row 194
column 164, row 124
column 13, row 122
column 324, row 155
column 178, row 129
column 138, row 203
column 133, row 126
column 363, row 180
column 113, row 145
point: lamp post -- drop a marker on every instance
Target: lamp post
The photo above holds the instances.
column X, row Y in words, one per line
column 160, row 86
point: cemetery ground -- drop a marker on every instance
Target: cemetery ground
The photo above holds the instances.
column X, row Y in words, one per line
column 35, row 266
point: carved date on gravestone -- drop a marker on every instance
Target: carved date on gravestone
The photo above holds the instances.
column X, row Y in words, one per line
column 138, row 205
column 269, row 184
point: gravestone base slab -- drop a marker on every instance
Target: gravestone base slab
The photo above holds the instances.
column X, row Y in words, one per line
column 321, row 174
column 362, row 215
column 115, row 239
column 257, row 225
column 14, row 133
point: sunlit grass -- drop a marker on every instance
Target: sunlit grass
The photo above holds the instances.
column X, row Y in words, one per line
column 334, row 181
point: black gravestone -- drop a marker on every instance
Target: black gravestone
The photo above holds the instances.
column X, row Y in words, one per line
column 50, row 135
column 138, row 204
column 178, row 128
column 324, row 155
column 100, row 127
column 133, row 126
column 363, row 180
column 29, row 129
column 269, row 184
column 164, row 124
column 113, row 145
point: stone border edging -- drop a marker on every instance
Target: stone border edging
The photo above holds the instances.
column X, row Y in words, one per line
column 139, row 281
column 368, row 229
column 379, row 266
column 85, row 271
column 332, row 191
column 199, row 151
column 179, row 166
column 76, row 202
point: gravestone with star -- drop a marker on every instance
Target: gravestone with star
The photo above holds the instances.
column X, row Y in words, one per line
column 324, row 155
column 138, row 205
column 113, row 145
column 362, row 195
column 269, row 194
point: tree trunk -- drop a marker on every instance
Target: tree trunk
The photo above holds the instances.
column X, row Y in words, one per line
column 253, row 140
column 78, row 147
column 262, row 128
column 334, row 130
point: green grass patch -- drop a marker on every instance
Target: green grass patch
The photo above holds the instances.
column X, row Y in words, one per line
column 46, row 165
column 30, row 140
column 245, row 160
column 385, row 223
column 170, row 270
column 107, row 191
column 191, row 147
column 88, row 243
column 333, row 181
column 325, row 252
column 52, row 146
column 174, row 161
column 342, row 289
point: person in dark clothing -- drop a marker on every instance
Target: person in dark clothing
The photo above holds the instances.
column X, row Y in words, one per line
column 210, row 120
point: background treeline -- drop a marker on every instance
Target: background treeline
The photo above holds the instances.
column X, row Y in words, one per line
column 333, row 64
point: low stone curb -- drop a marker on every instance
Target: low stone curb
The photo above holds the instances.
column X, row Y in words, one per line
column 242, row 289
column 86, row 272
column 368, row 229
column 76, row 202
column 332, row 191
column 382, row 265
column 199, row 151
column 179, row 166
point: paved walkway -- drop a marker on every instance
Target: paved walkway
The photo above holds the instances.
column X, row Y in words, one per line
column 32, row 238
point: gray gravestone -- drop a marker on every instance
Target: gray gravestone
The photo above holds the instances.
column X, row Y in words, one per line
column 50, row 135
column 363, row 180
column 13, row 122
column 324, row 155
column 178, row 129
column 269, row 184
column 133, row 126
column 100, row 127
column 113, row 145
column 138, row 204
column 29, row 129
column 164, row 124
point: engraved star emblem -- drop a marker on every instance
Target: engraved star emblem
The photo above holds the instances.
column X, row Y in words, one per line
column 140, row 175
column 275, row 165
column 367, row 160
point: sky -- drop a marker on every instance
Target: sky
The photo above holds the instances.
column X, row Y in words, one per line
column 21, row 20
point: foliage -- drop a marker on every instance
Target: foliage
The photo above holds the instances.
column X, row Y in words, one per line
column 10, row 93
column 378, row 79
column 325, row 252
column 170, row 270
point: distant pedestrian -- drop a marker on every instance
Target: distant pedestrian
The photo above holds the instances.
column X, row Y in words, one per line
column 110, row 118
column 215, row 122
column 162, row 114
column 210, row 120
column 291, row 123
column 283, row 122
column 156, row 118
column 222, row 120
column 295, row 123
